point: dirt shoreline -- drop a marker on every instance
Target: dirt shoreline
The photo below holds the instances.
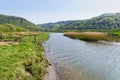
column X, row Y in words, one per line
column 51, row 74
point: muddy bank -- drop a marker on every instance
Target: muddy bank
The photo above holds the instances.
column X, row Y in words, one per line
column 51, row 74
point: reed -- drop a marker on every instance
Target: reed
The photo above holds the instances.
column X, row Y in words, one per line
column 91, row 36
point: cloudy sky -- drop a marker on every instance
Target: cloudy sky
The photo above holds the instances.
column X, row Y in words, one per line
column 43, row 11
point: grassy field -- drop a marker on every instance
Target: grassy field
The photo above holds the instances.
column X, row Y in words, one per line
column 24, row 60
column 92, row 36
column 117, row 33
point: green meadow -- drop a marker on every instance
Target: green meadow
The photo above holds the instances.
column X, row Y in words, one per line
column 24, row 60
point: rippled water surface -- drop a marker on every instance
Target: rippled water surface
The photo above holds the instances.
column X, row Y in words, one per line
column 80, row 60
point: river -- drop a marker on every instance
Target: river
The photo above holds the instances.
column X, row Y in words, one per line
column 81, row 60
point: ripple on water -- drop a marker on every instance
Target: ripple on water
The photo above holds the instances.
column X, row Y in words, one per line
column 80, row 60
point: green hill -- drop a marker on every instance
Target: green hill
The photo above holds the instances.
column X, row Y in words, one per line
column 18, row 21
column 103, row 22
column 11, row 28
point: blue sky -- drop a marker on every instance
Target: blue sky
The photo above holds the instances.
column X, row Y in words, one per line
column 43, row 11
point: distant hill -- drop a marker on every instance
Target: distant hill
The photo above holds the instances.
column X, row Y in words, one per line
column 103, row 22
column 18, row 21
column 11, row 28
column 54, row 26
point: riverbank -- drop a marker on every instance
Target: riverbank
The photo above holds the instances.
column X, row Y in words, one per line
column 92, row 36
column 24, row 60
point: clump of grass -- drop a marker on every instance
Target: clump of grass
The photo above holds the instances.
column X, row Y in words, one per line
column 114, row 33
column 23, row 61
column 91, row 36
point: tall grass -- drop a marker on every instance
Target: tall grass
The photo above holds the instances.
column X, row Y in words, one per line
column 91, row 36
column 25, row 60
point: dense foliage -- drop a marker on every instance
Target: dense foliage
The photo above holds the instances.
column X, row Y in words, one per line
column 21, row 22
